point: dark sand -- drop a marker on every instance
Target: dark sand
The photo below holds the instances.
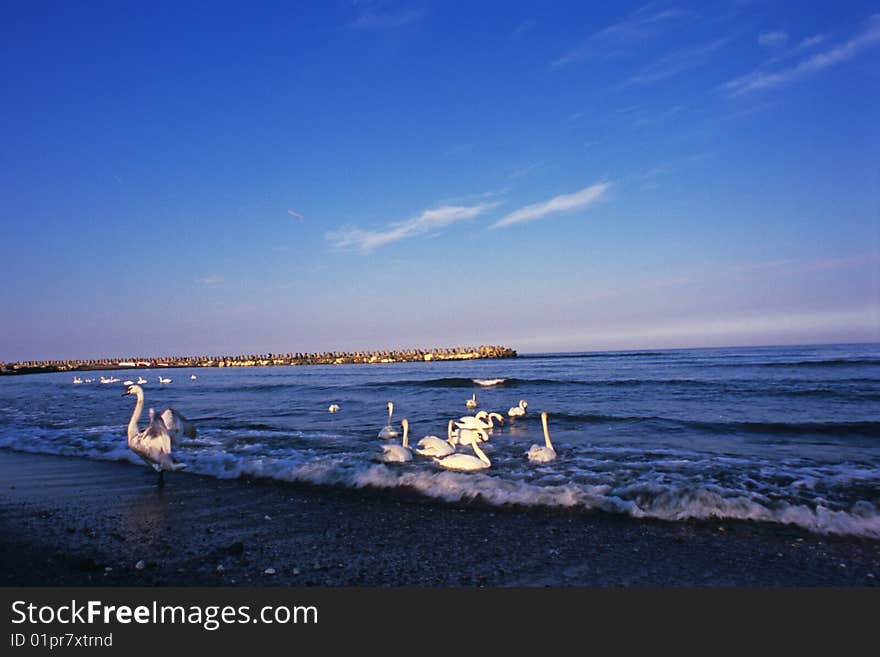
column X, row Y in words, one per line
column 68, row 521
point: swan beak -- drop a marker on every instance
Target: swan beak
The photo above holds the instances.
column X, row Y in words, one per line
column 126, row 393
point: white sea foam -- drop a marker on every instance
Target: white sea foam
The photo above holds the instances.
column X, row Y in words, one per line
column 659, row 491
column 488, row 382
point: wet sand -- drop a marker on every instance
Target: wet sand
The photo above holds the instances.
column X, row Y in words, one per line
column 68, row 521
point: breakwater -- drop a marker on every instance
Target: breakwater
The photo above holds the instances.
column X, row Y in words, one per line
column 262, row 360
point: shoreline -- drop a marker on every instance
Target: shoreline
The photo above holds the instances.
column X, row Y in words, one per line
column 69, row 521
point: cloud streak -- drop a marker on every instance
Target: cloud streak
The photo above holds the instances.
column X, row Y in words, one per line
column 352, row 237
column 642, row 24
column 759, row 80
column 375, row 16
column 563, row 203
column 677, row 62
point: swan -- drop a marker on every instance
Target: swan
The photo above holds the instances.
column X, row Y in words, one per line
column 466, row 462
column 141, row 381
column 153, row 444
column 77, row 380
column 482, row 420
column 192, row 377
column 333, row 408
column 394, row 453
column 542, row 453
column 520, row 410
column 469, row 435
column 177, row 425
column 128, row 383
column 472, row 402
column 434, row 446
column 389, row 431
column 161, row 380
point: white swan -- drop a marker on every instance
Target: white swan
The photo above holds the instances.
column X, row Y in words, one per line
column 520, row 410
column 77, row 380
column 141, row 381
column 177, row 425
column 161, row 380
column 466, row 462
column 472, row 402
column 469, row 436
column 333, row 408
column 394, row 453
column 192, row 377
column 389, row 431
column 542, row 453
column 153, row 444
column 128, row 383
column 434, row 446
column 482, row 420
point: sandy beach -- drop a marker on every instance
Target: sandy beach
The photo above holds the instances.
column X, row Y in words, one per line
column 70, row 521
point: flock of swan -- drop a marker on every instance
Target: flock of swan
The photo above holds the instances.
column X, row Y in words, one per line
column 469, row 430
column 154, row 444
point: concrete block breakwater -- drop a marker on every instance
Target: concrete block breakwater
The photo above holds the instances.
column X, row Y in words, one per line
column 262, row 360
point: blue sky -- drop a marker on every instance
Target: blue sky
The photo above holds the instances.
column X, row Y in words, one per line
column 201, row 178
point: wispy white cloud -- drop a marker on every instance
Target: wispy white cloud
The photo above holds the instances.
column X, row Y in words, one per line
column 558, row 204
column 773, row 39
column 382, row 14
column 757, row 80
column 352, row 237
column 644, row 23
column 523, row 28
column 295, row 215
column 678, row 62
column 211, row 280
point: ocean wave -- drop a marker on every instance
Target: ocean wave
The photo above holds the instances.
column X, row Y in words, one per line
column 832, row 362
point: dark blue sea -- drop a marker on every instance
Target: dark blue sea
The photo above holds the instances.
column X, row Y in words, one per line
column 776, row 434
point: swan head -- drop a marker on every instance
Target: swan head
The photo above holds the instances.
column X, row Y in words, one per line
column 523, row 404
column 132, row 390
column 390, row 408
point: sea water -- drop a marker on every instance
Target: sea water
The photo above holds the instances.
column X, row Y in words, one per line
column 777, row 434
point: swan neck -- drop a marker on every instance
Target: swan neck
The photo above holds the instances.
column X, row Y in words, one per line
column 480, row 454
column 406, row 434
column 546, row 432
column 449, row 432
column 135, row 416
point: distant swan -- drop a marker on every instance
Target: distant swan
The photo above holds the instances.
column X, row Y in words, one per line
column 395, row 453
column 141, row 381
column 472, row 402
column 153, row 444
column 434, row 446
column 128, row 383
column 192, row 377
column 389, row 431
column 333, row 408
column 542, row 453
column 161, row 380
column 466, row 462
column 77, row 380
column 520, row 410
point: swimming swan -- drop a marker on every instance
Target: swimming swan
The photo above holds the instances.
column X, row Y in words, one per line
column 469, row 436
column 542, row 453
column 434, row 446
column 472, row 402
column 466, row 462
column 394, row 453
column 141, row 381
column 482, row 420
column 153, row 444
column 161, row 380
column 389, row 431
column 520, row 410
column 333, row 408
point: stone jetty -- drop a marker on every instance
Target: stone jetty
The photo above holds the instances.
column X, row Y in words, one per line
column 262, row 360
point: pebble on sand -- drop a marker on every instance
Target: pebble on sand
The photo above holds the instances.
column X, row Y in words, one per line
column 140, row 565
